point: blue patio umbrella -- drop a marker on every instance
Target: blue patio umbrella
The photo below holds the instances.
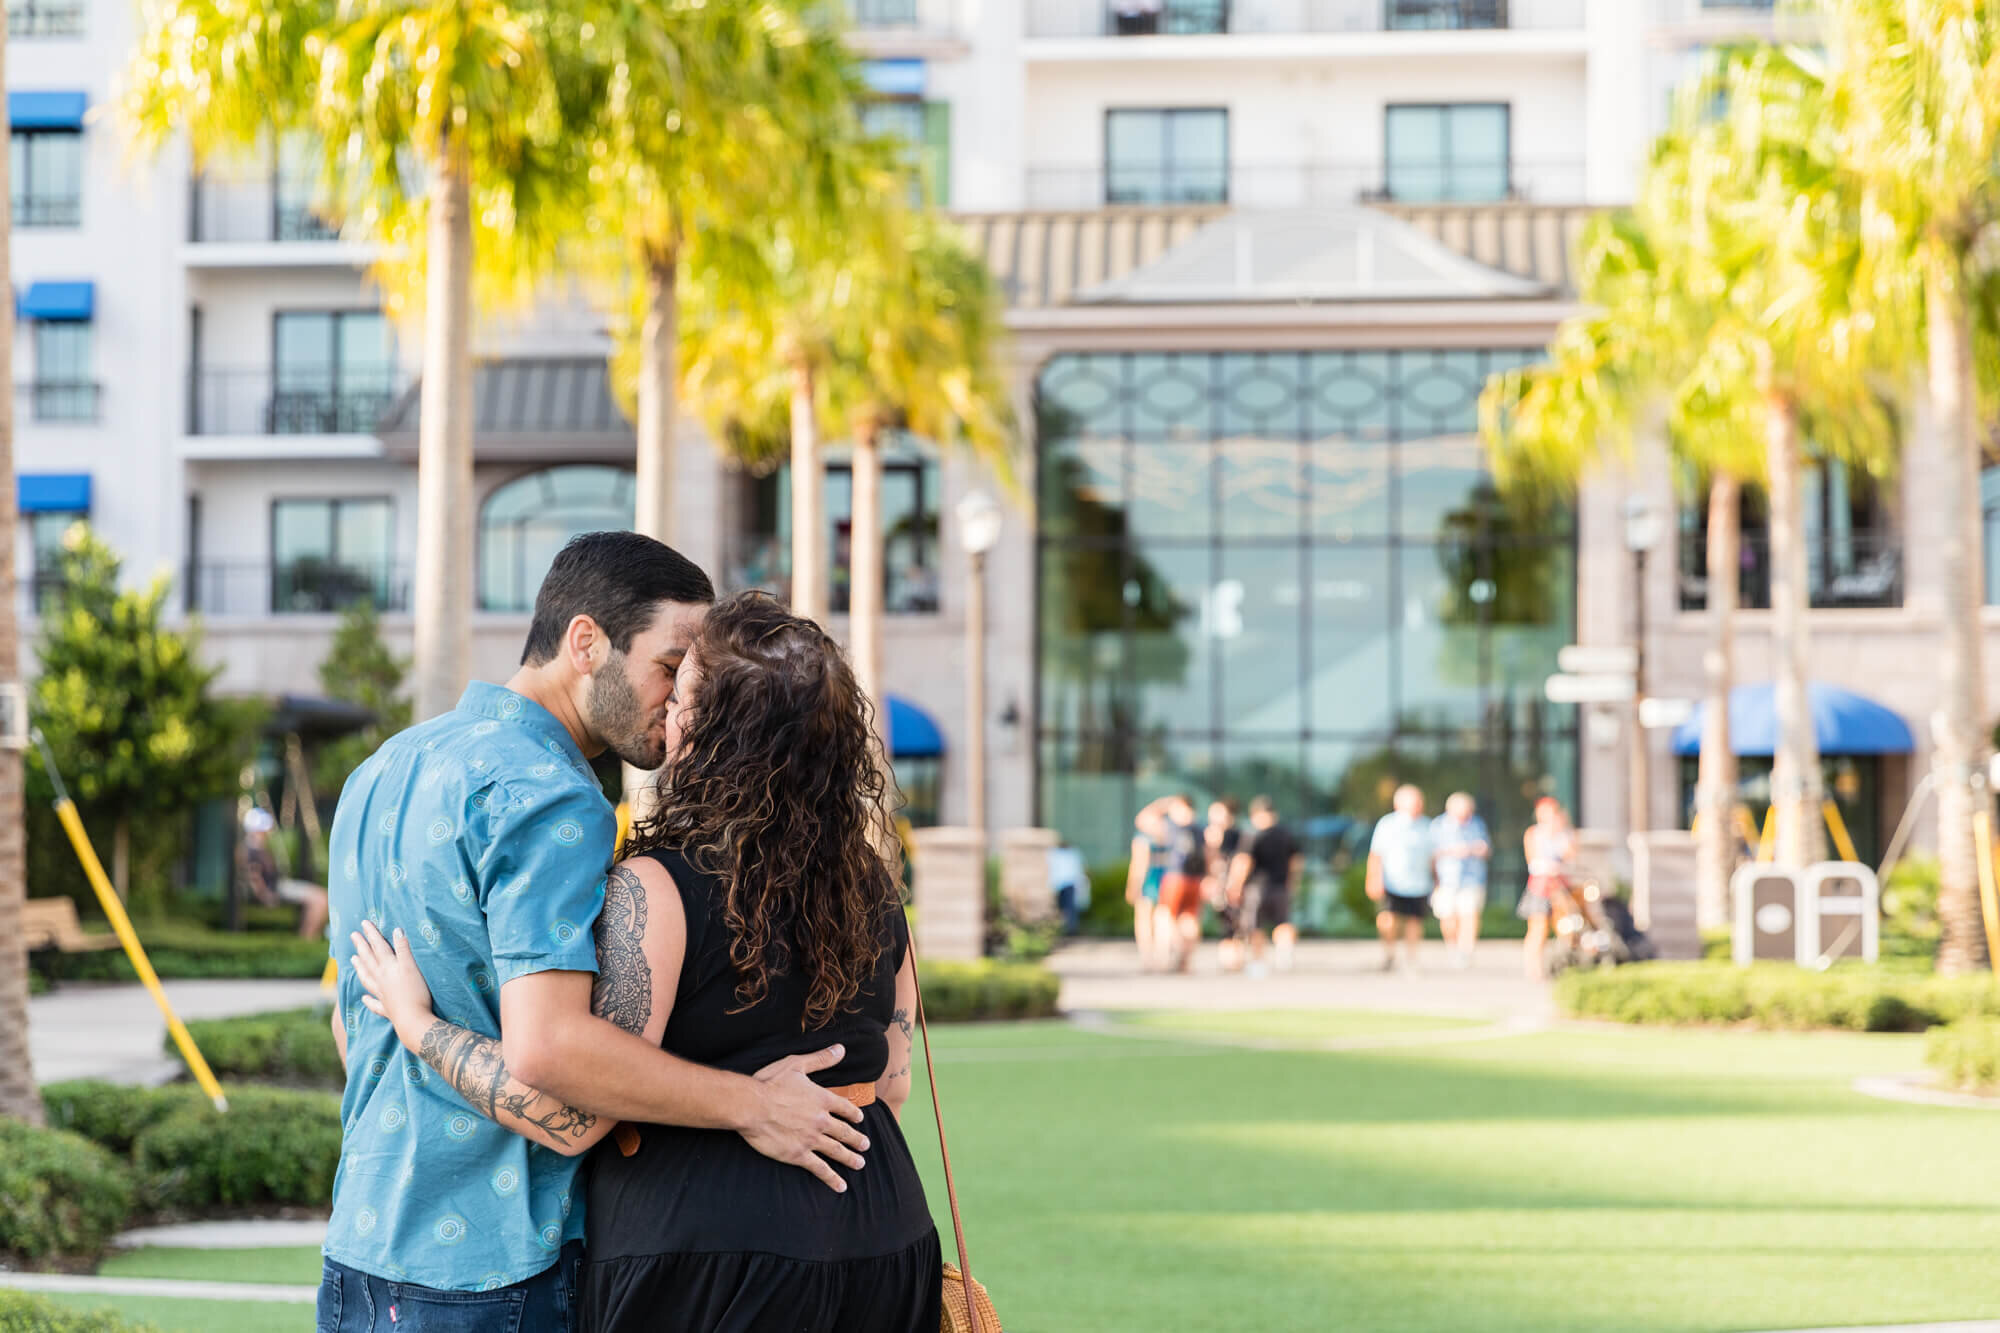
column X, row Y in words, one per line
column 1844, row 723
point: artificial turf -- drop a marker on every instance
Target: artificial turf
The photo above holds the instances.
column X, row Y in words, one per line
column 1572, row 1179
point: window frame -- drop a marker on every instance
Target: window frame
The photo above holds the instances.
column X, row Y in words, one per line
column 22, row 201
column 1166, row 167
column 380, row 574
column 334, row 388
column 71, row 399
column 480, row 529
column 1446, row 165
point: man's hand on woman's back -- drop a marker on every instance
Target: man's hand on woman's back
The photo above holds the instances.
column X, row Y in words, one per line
column 798, row 1122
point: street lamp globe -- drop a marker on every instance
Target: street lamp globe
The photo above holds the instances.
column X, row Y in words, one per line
column 1643, row 525
column 978, row 523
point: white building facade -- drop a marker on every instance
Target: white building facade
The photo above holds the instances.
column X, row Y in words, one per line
column 1234, row 235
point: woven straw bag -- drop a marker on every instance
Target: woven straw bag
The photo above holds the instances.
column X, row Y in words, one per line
column 961, row 1315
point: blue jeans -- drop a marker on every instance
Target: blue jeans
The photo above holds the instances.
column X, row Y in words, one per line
column 355, row 1302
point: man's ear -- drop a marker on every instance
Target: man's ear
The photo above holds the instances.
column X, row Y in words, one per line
column 585, row 645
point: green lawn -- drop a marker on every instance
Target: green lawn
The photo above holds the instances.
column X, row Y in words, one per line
column 1303, row 1026
column 171, row 1316
column 1579, row 1179
column 298, row 1266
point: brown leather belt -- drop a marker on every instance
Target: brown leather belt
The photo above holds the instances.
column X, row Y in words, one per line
column 626, row 1135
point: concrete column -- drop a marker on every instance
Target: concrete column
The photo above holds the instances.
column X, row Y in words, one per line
column 950, row 876
column 1024, row 872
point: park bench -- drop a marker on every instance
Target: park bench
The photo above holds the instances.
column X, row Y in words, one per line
column 51, row 928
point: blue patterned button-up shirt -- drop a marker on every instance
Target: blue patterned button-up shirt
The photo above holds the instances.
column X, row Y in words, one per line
column 484, row 836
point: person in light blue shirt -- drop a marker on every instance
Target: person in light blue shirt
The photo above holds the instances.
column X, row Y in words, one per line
column 481, row 839
column 1463, row 850
column 1401, row 875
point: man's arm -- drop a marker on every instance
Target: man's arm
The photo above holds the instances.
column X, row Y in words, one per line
column 1374, row 883
column 1293, row 870
column 1239, row 875
column 340, row 1036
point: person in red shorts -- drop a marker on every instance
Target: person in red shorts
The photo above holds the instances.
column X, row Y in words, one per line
column 1177, row 926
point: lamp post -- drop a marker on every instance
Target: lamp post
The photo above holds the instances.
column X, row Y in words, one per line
column 1642, row 533
column 978, row 532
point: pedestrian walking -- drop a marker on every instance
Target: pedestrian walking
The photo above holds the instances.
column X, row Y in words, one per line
column 1224, row 836
column 1177, row 923
column 1142, row 886
column 1463, row 851
column 1401, row 875
column 1262, row 880
column 1550, row 846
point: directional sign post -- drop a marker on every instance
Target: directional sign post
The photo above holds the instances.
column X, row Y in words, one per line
column 1664, row 714
column 1589, row 689
column 1598, row 660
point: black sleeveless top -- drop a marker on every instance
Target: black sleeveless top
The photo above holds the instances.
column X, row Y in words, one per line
column 695, row 1191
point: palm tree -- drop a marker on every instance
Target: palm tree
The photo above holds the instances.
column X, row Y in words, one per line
column 1918, row 117
column 19, row 1099
column 462, row 93
column 917, row 349
column 1727, row 292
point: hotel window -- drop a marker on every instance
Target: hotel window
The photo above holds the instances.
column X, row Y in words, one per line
column 1167, row 156
column 327, row 555
column 1439, row 152
column 334, row 371
column 525, row 522
column 909, row 534
column 64, row 387
column 924, row 130
column 47, row 180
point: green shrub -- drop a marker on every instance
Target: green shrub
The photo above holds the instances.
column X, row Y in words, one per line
column 984, row 991
column 60, row 1194
column 274, row 1146
column 1966, row 1054
column 1910, row 926
column 1108, row 914
column 23, row 1313
column 112, row 1115
column 1776, row 996
column 293, row 1047
column 186, row 952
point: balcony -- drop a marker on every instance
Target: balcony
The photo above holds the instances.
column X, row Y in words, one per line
column 45, row 18
column 1307, row 185
column 48, row 210
column 1861, row 569
column 262, row 220
column 310, row 585
column 255, row 402
column 1060, row 19
column 60, row 402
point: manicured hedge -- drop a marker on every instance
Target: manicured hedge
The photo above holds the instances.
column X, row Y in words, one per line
column 23, row 1313
column 1966, row 1054
column 275, row 1146
column 60, row 1194
column 186, row 952
column 1776, row 996
column 957, row 992
column 293, row 1047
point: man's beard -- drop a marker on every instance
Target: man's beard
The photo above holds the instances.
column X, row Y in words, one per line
column 620, row 722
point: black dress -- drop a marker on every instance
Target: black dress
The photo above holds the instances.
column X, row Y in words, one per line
column 699, row 1233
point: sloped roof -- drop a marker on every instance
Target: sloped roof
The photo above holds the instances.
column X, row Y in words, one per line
column 528, row 407
column 1309, row 255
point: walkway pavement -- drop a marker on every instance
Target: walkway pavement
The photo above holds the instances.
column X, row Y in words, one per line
column 114, row 1032
column 1104, row 975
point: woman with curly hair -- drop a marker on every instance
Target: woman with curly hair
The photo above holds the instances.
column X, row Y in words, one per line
column 758, row 920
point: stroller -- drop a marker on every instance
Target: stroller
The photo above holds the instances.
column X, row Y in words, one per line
column 1591, row 928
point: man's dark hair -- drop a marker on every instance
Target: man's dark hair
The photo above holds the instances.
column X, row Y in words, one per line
column 1263, row 805
column 618, row 579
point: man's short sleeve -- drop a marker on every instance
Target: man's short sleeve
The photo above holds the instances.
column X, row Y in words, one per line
column 542, row 879
column 1379, row 844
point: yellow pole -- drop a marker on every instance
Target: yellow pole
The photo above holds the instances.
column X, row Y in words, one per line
column 624, row 829
column 1982, row 838
column 1838, row 828
column 107, row 898
column 1767, row 842
column 330, row 976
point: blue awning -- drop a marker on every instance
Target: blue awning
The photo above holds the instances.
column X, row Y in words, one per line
column 912, row 733
column 1843, row 723
column 894, row 78
column 57, row 300
column 52, row 492
column 46, row 111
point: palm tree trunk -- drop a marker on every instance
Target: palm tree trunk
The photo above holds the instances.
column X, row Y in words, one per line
column 1715, row 788
column 809, row 576
column 444, row 445
column 864, row 566
column 1960, row 749
column 653, row 470
column 1795, row 776
column 19, row 1099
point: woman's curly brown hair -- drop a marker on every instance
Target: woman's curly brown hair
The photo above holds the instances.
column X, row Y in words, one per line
column 778, row 790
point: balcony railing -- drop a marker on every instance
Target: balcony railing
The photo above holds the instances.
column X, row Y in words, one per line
column 1306, row 185
column 45, row 18
column 225, row 210
column 48, row 210
column 310, row 585
column 1861, row 569
column 58, row 401
column 885, row 13
column 254, row 402
column 1146, row 18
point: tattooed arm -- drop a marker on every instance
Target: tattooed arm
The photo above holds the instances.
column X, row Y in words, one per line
column 894, row 1085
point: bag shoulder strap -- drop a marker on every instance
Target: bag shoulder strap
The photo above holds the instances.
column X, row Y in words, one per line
column 944, row 1150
